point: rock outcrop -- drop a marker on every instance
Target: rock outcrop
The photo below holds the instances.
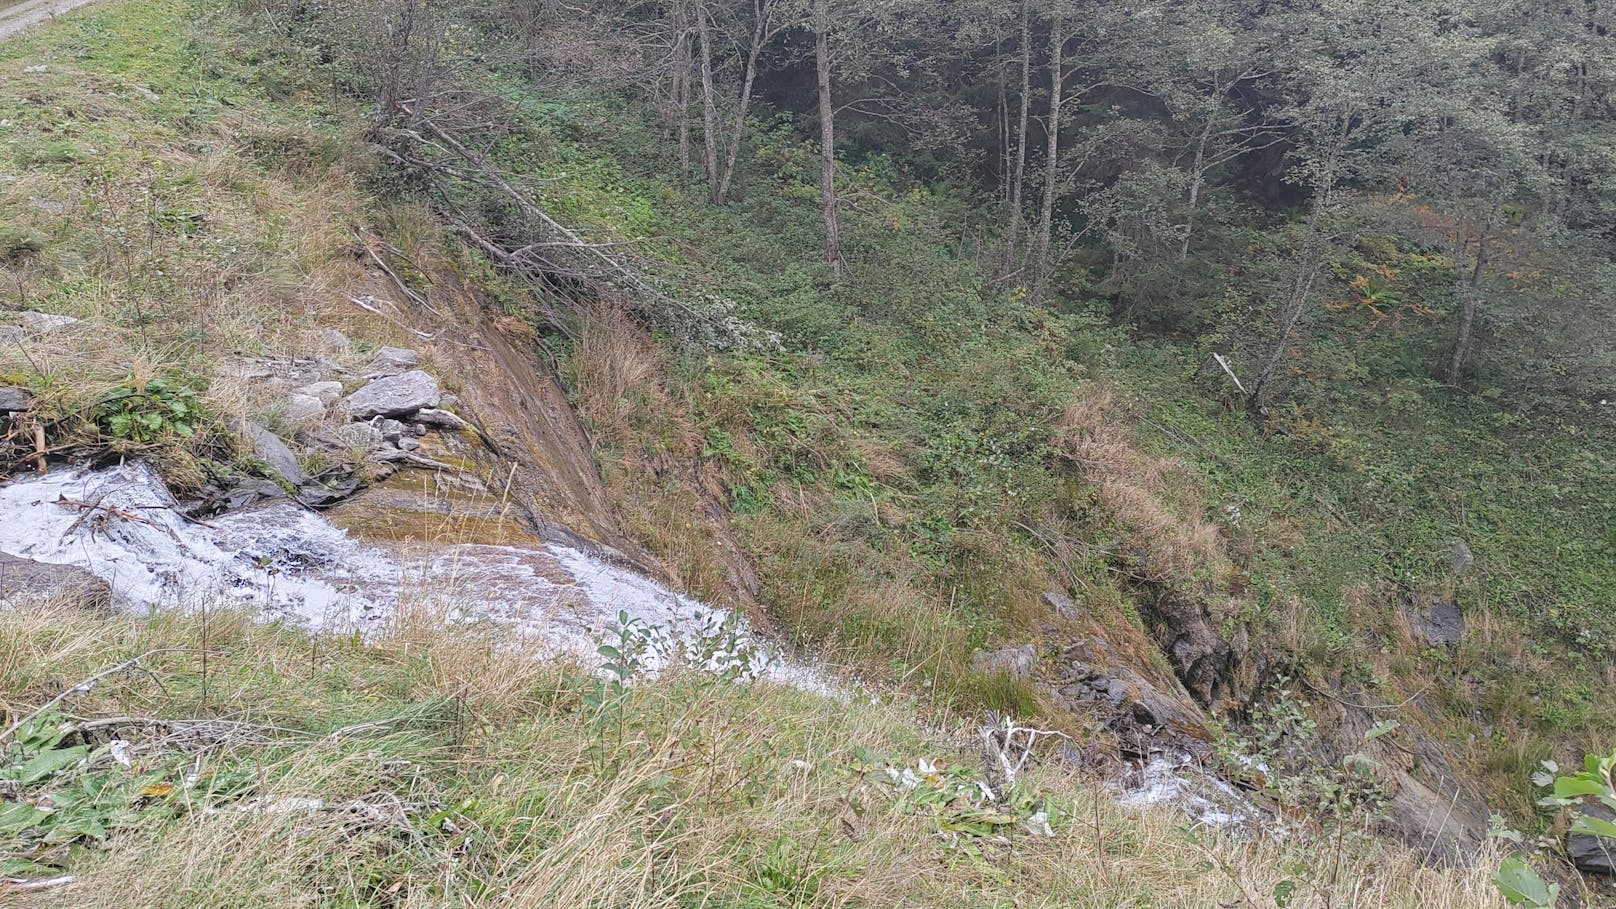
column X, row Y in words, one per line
column 1018, row 662
column 371, row 434
column 1203, row 659
column 24, row 580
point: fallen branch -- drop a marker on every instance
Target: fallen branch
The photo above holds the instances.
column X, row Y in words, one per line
column 126, row 514
column 23, row 885
column 416, row 298
column 84, row 687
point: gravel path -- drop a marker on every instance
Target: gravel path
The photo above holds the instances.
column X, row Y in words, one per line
column 25, row 15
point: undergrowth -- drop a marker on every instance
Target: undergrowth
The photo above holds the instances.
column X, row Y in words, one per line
column 238, row 764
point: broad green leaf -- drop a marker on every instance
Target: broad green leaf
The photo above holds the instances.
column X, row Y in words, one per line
column 1375, row 732
column 15, row 817
column 46, row 764
column 1570, row 787
column 1524, row 887
column 1593, row 825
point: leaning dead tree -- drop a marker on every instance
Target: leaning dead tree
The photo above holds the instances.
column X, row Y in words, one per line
column 429, row 141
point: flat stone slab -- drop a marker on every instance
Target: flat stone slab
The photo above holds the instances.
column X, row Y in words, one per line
column 395, row 396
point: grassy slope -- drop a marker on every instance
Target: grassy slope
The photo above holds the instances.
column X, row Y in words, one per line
column 887, row 466
column 882, row 400
column 187, row 201
column 491, row 782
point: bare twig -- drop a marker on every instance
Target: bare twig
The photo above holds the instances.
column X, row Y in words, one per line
column 84, row 688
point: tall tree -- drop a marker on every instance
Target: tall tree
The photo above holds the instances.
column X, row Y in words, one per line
column 1347, row 69
column 823, row 70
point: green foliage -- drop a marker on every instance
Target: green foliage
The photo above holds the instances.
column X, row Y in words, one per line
column 57, row 795
column 1279, row 742
column 144, row 413
column 1523, row 886
column 954, row 798
column 1596, row 781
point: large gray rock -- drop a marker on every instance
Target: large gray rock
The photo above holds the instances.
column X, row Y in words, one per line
column 24, row 580
column 395, row 396
column 390, row 361
column 1015, row 661
column 301, row 409
column 1060, row 604
column 1593, row 854
column 275, row 454
column 327, row 393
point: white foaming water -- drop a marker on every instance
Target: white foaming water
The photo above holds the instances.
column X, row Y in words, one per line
column 1176, row 781
column 122, row 524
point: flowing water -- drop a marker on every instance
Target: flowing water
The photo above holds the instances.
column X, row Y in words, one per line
column 294, row 565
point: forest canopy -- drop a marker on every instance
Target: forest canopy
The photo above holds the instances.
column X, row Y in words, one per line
column 1201, row 164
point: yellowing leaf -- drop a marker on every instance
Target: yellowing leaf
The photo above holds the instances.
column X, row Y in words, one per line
column 158, row 790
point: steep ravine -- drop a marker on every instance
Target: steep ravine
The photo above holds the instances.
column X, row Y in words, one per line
column 500, row 514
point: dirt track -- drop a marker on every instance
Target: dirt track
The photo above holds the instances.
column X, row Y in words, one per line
column 25, row 15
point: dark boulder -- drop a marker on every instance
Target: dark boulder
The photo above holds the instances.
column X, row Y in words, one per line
column 1435, row 621
column 1593, row 854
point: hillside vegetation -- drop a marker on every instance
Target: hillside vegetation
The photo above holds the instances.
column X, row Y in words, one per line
column 909, row 442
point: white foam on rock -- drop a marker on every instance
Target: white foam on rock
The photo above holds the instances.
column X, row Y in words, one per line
column 293, row 565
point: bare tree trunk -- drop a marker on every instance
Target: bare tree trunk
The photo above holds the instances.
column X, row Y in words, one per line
column 1308, row 264
column 1018, row 181
column 1197, row 176
column 1002, row 123
column 827, row 137
column 709, row 104
column 681, row 88
column 760, row 33
column 1469, row 293
column 1046, row 215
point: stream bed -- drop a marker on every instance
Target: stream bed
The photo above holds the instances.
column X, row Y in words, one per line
column 294, row 565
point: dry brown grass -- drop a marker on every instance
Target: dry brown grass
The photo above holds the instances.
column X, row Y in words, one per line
column 692, row 800
column 1156, row 501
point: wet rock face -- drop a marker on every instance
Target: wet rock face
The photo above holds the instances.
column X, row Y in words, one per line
column 25, row 580
column 1593, row 854
column 395, row 396
column 1203, row 660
